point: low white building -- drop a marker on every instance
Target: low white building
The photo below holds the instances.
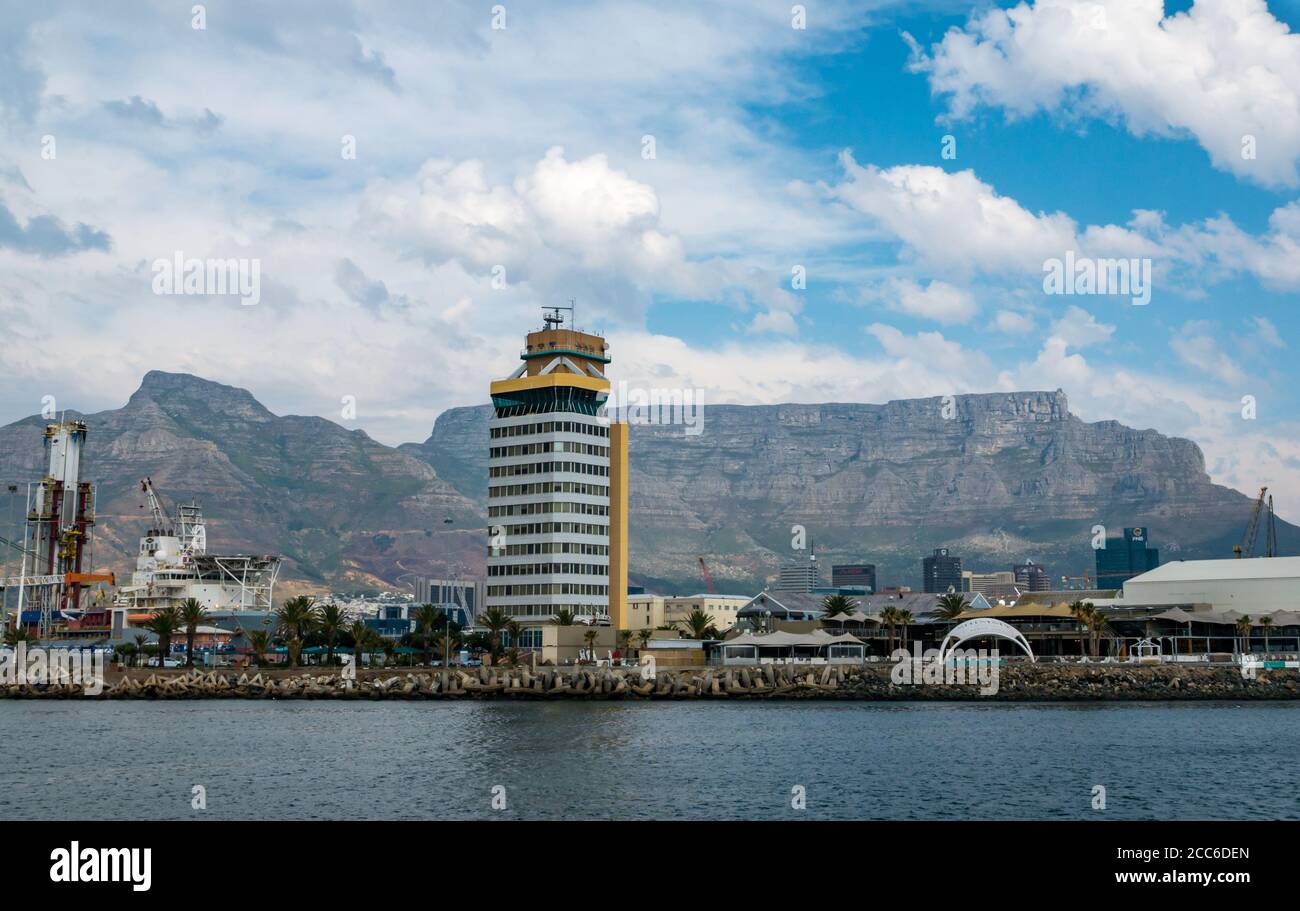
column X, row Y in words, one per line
column 1253, row 586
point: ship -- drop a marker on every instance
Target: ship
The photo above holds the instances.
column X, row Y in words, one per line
column 173, row 565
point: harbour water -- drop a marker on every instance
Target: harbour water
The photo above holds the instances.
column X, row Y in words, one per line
column 610, row 760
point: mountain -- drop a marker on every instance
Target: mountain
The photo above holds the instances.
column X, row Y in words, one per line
column 338, row 505
column 1007, row 477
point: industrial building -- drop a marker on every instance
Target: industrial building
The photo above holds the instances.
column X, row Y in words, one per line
column 557, row 485
column 1251, row 586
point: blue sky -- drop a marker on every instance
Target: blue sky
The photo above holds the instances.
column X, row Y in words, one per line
column 1101, row 128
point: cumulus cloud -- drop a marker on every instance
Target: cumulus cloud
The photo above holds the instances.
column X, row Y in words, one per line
column 1197, row 345
column 937, row 300
column 1013, row 323
column 1220, row 72
column 1078, row 328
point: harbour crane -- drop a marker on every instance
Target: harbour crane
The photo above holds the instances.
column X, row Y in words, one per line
column 708, row 576
column 1247, row 544
column 161, row 524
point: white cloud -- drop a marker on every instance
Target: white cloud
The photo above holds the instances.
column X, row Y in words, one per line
column 1013, row 323
column 1222, row 71
column 1078, row 328
column 937, row 301
column 1198, row 347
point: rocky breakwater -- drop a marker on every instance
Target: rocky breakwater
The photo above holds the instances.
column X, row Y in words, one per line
column 1016, row 682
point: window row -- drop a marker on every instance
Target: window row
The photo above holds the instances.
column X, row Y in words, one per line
column 549, row 547
column 510, row 471
column 523, row 430
column 591, row 449
column 545, row 588
column 550, row 528
column 548, row 569
column 524, row 490
column 534, row 509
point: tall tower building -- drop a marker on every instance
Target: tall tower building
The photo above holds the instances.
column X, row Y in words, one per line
column 1123, row 558
column 557, row 485
column 941, row 572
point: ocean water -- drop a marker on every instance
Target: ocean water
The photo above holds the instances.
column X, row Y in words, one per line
column 679, row 760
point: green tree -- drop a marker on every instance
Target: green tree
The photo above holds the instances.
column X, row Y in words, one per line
column 564, row 617
column 19, row 633
column 363, row 638
column 427, row 617
column 889, row 619
column 838, row 604
column 192, row 614
column 260, row 641
column 904, row 619
column 625, row 643
column 516, row 636
column 295, row 618
column 164, row 624
column 952, row 605
column 645, row 636
column 494, row 620
column 1243, row 630
column 1266, row 623
column 697, row 625
column 330, row 621
column 590, row 638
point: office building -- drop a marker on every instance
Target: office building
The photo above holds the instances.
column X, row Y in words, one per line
column 941, row 572
column 557, row 486
column 803, row 575
column 854, row 575
column 1032, row 577
column 1123, row 558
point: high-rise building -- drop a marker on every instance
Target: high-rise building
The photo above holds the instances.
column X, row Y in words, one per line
column 941, row 572
column 989, row 585
column 854, row 575
column 557, row 486
column 1123, row 558
column 467, row 595
column 1030, row 576
column 803, row 575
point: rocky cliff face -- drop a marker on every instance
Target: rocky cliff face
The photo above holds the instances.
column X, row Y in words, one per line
column 336, row 503
column 998, row 478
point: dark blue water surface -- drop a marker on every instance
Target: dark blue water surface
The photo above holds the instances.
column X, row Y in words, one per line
column 680, row 760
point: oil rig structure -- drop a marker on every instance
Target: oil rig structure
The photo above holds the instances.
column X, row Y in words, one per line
column 56, row 550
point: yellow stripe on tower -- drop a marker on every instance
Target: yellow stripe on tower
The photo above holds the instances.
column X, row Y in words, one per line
column 618, row 525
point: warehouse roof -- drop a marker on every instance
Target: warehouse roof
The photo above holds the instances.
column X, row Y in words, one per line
column 1248, row 568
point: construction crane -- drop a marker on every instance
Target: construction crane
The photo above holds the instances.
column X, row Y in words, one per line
column 1270, row 535
column 161, row 524
column 708, row 577
column 1247, row 544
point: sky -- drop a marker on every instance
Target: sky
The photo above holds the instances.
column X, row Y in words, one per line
column 768, row 202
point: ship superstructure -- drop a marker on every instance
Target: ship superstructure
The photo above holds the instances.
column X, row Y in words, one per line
column 173, row 565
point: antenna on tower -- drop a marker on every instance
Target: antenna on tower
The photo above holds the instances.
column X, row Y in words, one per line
column 553, row 318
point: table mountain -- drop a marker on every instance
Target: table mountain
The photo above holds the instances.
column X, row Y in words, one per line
column 1007, row 477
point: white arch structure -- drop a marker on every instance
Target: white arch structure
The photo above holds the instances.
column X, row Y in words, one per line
column 979, row 628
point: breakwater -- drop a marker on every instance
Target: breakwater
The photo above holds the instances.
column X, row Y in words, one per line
column 1013, row 682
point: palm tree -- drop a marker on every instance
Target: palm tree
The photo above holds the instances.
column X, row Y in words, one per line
column 1243, row 630
column 516, row 632
column 590, row 637
column 904, row 618
column 645, row 636
column 564, row 617
column 952, row 605
column 625, row 638
column 192, row 614
column 260, row 640
column 1096, row 628
column 697, row 625
column 164, row 624
column 140, row 642
column 295, row 618
column 426, row 621
column 835, row 605
column 495, row 620
column 20, row 633
column 362, row 637
column 1265, row 623
column 1080, row 611
column 330, row 621
column 889, row 617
